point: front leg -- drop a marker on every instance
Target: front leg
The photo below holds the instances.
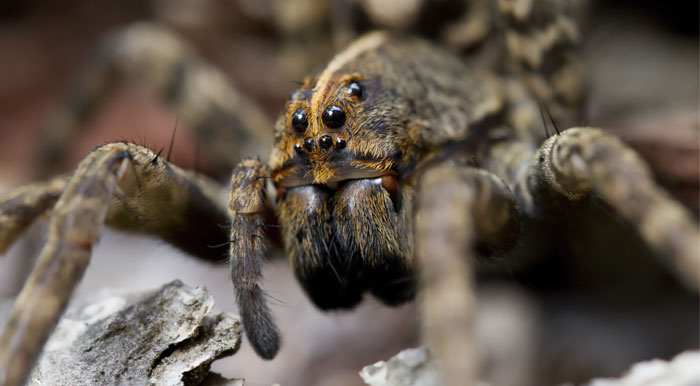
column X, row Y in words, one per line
column 19, row 208
column 75, row 225
column 461, row 213
column 123, row 185
column 247, row 204
column 582, row 161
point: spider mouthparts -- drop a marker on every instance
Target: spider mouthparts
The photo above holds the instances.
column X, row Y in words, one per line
column 332, row 185
column 389, row 182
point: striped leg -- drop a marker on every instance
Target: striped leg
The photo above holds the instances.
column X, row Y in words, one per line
column 228, row 124
column 123, row 185
column 246, row 207
column 542, row 39
column 20, row 207
column 461, row 212
column 584, row 161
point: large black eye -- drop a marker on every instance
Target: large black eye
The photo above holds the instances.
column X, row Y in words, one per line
column 355, row 90
column 299, row 121
column 333, row 117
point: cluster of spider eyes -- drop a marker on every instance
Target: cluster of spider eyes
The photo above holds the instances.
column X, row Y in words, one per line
column 333, row 117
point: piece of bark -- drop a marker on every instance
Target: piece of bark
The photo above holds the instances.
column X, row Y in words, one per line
column 166, row 337
column 410, row 367
column 416, row 367
column 682, row 370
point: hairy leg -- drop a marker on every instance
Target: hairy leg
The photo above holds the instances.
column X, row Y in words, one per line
column 20, row 207
column 542, row 39
column 124, row 185
column 458, row 209
column 62, row 263
column 227, row 123
column 582, row 161
column 246, row 207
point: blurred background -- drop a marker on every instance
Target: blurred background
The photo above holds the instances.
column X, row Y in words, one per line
column 535, row 328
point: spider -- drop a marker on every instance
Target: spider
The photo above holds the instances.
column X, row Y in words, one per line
column 392, row 169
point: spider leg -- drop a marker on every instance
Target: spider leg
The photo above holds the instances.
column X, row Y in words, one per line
column 246, row 207
column 458, row 209
column 74, row 228
column 228, row 124
column 582, row 161
column 123, row 185
column 542, row 39
column 20, row 207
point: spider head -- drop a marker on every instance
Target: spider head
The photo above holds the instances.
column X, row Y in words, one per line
column 336, row 128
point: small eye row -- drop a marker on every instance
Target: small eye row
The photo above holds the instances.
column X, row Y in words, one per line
column 325, row 142
column 333, row 116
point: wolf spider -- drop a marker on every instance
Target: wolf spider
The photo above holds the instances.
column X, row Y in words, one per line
column 393, row 168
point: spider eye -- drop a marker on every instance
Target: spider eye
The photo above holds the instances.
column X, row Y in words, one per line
column 309, row 144
column 325, row 142
column 333, row 117
column 299, row 121
column 355, row 90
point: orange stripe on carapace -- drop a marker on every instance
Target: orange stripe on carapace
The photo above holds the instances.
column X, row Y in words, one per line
column 324, row 83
